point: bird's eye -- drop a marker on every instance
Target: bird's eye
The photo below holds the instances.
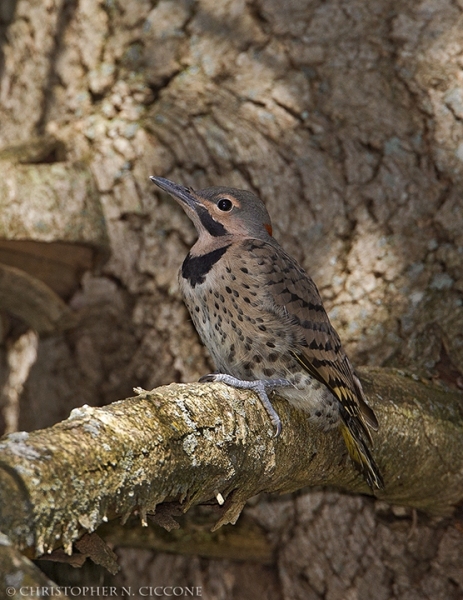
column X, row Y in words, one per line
column 225, row 204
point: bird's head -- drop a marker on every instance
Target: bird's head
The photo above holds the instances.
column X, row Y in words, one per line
column 221, row 211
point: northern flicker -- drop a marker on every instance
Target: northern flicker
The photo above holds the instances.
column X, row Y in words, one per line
column 262, row 319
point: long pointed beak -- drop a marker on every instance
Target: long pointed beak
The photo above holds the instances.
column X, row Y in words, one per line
column 179, row 192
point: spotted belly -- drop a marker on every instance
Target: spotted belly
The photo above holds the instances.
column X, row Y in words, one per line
column 244, row 344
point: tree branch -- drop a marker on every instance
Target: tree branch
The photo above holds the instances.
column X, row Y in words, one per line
column 192, row 443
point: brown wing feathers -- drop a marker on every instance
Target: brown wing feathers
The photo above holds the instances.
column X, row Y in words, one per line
column 319, row 349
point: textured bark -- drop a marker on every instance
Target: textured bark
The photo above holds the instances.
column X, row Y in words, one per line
column 17, row 571
column 188, row 444
column 346, row 117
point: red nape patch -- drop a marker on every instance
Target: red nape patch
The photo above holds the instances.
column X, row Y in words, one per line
column 268, row 227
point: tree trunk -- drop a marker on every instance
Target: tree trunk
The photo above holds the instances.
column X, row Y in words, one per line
column 346, row 118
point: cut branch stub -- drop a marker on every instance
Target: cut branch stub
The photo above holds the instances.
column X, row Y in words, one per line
column 33, row 302
column 52, row 230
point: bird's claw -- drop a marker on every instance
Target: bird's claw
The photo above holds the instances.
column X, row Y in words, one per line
column 207, row 378
column 259, row 387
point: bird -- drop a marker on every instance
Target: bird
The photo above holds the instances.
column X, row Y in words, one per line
column 262, row 319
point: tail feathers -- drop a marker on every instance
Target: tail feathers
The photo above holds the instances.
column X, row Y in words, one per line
column 352, row 432
column 367, row 413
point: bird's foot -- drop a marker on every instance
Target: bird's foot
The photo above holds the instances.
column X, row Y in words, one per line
column 260, row 386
